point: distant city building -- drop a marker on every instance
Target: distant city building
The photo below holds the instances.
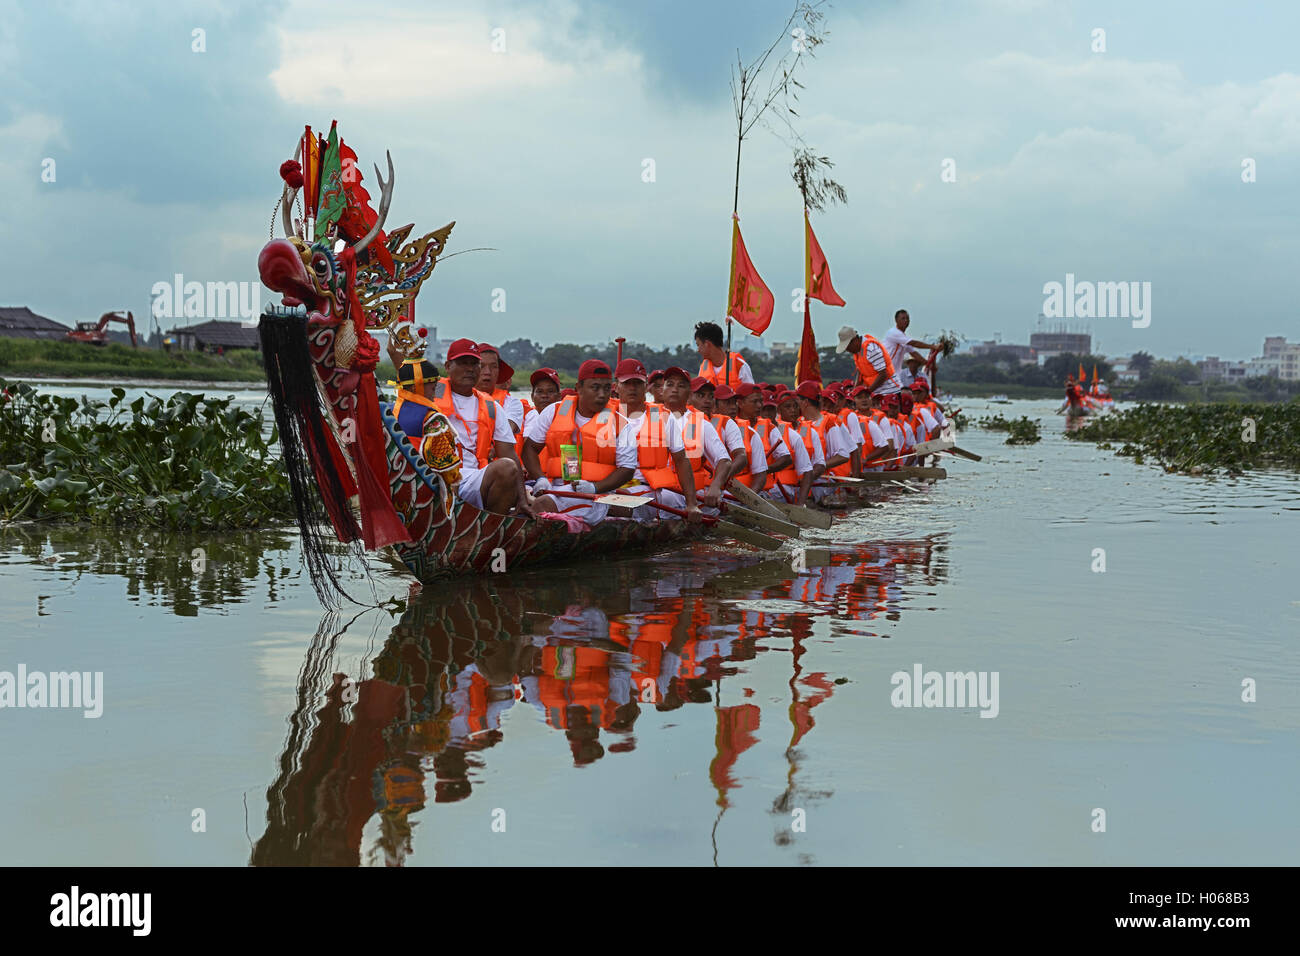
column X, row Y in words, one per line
column 20, row 322
column 214, row 335
column 1121, row 372
column 1280, row 359
column 1024, row 354
column 1212, row 367
column 778, row 349
column 1051, row 344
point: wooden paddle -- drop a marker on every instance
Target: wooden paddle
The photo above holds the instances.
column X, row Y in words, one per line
column 749, row 517
column 787, row 512
column 732, row 530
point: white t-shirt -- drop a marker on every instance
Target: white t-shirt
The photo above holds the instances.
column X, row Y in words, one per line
column 795, row 449
column 514, row 410
column 536, row 429
column 757, row 457
column 714, row 450
column 529, row 415
column 745, row 374
column 928, row 419
column 896, row 343
column 732, row 436
column 465, row 422
column 855, row 429
column 837, row 442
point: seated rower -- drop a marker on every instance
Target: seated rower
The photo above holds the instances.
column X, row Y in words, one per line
column 656, row 383
column 878, row 438
column 842, row 431
column 490, row 476
column 581, row 437
column 827, row 443
column 793, row 483
column 725, row 400
column 680, row 458
column 767, row 451
column 546, row 391
column 702, row 399
column 493, row 375
column 903, row 439
column 631, row 376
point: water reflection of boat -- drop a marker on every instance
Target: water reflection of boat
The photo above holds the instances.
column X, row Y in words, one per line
column 589, row 662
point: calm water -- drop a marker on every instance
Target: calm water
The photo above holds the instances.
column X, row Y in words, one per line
column 690, row 707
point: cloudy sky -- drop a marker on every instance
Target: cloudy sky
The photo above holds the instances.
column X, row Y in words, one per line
column 1123, row 165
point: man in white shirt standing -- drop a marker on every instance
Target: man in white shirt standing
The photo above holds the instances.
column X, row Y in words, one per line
column 897, row 342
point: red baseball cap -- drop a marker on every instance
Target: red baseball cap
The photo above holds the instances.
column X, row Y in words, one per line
column 920, row 385
column 859, row 390
column 545, row 374
column 745, row 389
column 657, row 373
column 723, row 392
column 679, row 372
column 890, row 399
column 504, row 370
column 630, row 370
column 460, row 348
column 700, row 382
column 593, row 368
column 809, row 390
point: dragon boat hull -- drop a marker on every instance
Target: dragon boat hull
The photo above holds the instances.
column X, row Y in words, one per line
column 450, row 537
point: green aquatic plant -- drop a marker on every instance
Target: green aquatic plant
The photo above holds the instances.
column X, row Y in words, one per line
column 1022, row 431
column 1202, row 438
column 191, row 461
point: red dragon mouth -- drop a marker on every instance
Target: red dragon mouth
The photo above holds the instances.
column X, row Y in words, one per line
column 281, row 269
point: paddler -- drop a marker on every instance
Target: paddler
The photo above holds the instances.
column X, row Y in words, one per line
column 494, row 373
column 703, row 446
column 724, row 400
column 584, row 454
column 793, row 483
column 546, row 392
column 878, row 438
column 767, row 451
column 490, row 475
column 656, row 383
column 714, row 367
column 702, row 399
column 833, row 442
column 875, row 370
column 632, row 383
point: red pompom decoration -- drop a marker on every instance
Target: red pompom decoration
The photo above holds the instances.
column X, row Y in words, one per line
column 291, row 173
column 424, row 333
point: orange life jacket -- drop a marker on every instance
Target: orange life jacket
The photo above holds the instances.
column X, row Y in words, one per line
column 485, row 425
column 830, row 420
column 788, row 475
column 574, row 676
column 868, row 446
column 747, row 430
column 719, row 423
column 656, row 463
column 597, row 441
column 720, row 378
column 866, row 370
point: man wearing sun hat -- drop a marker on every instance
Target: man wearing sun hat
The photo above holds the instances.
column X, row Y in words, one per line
column 490, row 475
column 870, row 359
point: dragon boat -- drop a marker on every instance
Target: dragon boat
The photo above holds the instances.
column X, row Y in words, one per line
column 354, row 474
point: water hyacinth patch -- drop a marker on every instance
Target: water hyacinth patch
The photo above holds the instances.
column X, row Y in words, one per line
column 188, row 462
column 1202, row 438
column 1022, row 431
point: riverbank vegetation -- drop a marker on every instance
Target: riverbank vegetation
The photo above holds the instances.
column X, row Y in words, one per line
column 191, row 462
column 1204, row 438
column 1020, row 431
column 39, row 359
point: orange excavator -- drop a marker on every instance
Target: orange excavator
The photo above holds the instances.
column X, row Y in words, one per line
column 95, row 332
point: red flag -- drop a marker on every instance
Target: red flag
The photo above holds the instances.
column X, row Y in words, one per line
column 807, row 364
column 750, row 302
column 817, row 273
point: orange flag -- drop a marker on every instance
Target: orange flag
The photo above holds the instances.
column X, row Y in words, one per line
column 817, row 273
column 750, row 302
column 1082, row 375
